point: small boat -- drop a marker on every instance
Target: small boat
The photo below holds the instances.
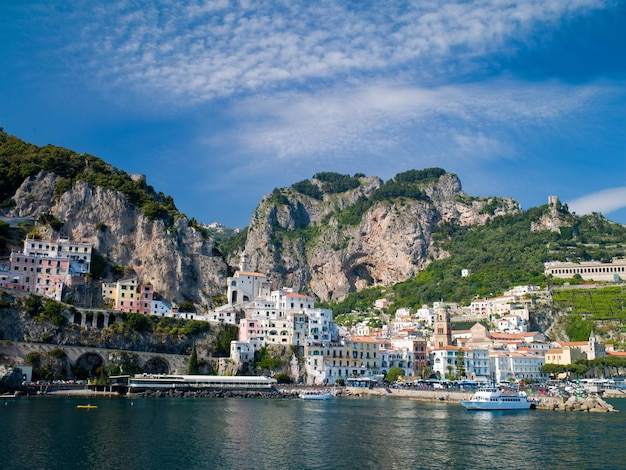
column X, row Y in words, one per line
column 87, row 407
column 492, row 398
column 316, row 396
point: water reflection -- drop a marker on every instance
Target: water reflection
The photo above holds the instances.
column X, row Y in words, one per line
column 341, row 433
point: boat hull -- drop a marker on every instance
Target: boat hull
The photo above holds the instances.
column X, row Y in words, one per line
column 495, row 399
column 477, row 405
column 317, row 396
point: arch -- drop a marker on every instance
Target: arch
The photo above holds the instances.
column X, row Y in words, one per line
column 100, row 320
column 78, row 318
column 88, row 365
column 88, row 319
column 111, row 319
column 156, row 365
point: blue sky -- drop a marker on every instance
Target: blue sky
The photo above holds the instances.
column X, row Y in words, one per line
column 220, row 102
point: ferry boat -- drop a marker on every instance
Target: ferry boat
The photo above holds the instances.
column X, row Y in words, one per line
column 142, row 383
column 495, row 399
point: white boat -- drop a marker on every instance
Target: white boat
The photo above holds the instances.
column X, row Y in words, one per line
column 316, row 396
column 495, row 399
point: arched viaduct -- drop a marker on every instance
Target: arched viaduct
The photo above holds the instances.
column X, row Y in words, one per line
column 92, row 359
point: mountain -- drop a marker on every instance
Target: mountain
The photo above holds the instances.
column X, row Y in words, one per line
column 336, row 234
column 331, row 236
column 130, row 226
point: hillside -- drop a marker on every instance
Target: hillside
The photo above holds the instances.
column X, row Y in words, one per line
column 133, row 229
column 345, row 239
column 336, row 234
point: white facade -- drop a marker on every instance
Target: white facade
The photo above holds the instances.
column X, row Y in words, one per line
column 589, row 270
column 160, row 308
column 477, row 365
column 243, row 351
column 79, row 254
column 515, row 365
column 511, row 324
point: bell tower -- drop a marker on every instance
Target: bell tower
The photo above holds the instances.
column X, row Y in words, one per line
column 442, row 335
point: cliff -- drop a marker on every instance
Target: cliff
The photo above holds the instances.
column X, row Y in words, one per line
column 172, row 255
column 331, row 243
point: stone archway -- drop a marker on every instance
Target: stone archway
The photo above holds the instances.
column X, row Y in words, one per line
column 88, row 365
column 156, row 365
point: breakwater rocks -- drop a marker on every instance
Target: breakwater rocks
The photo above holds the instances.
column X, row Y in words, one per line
column 574, row 403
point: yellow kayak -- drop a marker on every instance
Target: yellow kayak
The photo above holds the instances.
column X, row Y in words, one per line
column 88, row 407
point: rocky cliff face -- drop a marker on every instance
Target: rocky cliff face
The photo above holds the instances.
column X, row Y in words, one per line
column 305, row 242
column 329, row 244
column 175, row 259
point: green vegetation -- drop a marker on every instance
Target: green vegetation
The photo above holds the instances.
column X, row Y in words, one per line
column 231, row 244
column 195, row 327
column 193, row 361
column 20, row 160
column 308, row 189
column 283, row 378
column 606, row 303
column 394, row 374
column 224, row 336
column 264, row 360
column 138, row 322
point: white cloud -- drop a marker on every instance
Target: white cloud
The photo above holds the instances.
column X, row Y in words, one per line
column 194, row 51
column 605, row 201
column 464, row 120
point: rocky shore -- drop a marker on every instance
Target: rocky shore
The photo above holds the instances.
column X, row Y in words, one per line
column 592, row 404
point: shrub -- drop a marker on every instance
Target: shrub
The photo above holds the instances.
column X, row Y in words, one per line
column 138, row 322
column 33, row 358
column 283, row 378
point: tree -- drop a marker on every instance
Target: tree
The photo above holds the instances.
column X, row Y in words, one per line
column 460, row 364
column 394, row 374
column 193, row 361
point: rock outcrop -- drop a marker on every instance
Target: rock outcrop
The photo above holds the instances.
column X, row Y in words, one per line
column 174, row 257
column 306, row 242
column 328, row 244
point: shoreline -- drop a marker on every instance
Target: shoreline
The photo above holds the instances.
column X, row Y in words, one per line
column 541, row 402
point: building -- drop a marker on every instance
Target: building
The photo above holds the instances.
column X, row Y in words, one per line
column 128, row 295
column 45, row 267
column 588, row 270
column 506, row 366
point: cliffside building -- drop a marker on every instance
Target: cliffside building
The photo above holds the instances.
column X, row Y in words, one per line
column 588, row 270
column 44, row 267
column 129, row 296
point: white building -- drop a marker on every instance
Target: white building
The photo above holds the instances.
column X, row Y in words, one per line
column 477, row 365
column 515, row 365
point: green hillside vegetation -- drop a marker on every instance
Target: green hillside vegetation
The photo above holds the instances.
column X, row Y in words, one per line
column 500, row 255
column 408, row 185
column 608, row 303
column 20, row 160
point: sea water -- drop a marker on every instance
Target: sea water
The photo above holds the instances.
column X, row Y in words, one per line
column 342, row 433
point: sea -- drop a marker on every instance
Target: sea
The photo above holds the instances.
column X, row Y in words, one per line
column 341, row 433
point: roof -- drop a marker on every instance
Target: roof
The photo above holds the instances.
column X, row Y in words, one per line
column 249, row 273
column 300, row 296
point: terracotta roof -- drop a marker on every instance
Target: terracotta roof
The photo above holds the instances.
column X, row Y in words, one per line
column 301, row 296
column 616, row 353
column 250, row 273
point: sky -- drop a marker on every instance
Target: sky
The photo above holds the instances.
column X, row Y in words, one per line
column 219, row 102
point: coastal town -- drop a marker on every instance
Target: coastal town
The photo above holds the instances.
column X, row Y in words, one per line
column 421, row 344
